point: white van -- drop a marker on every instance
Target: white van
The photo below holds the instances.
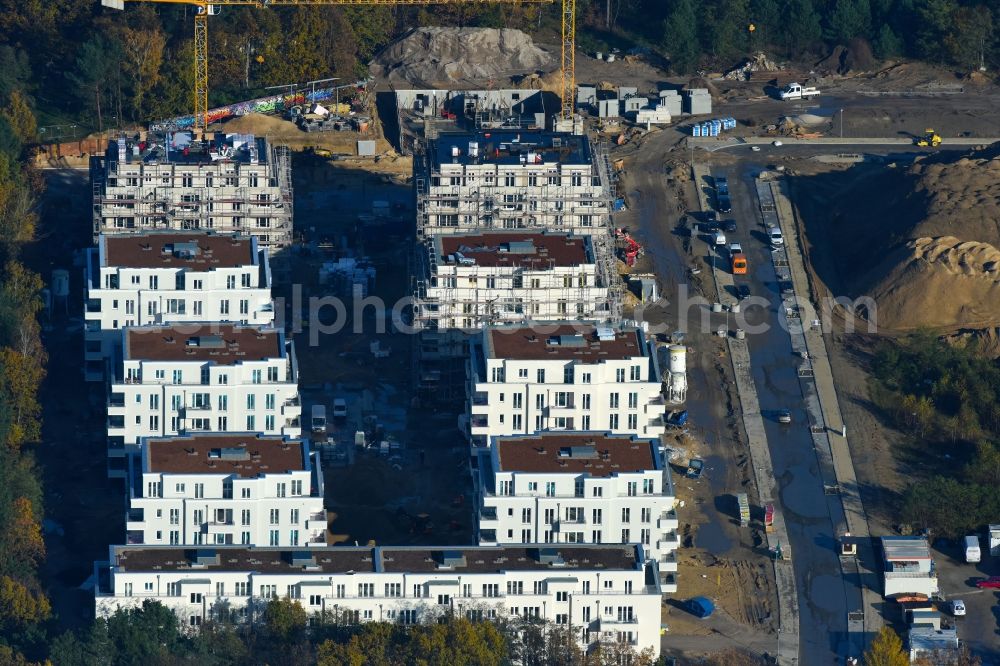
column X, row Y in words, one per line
column 972, row 552
column 774, row 235
column 318, row 418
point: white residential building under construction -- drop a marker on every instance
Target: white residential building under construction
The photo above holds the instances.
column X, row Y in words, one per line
column 476, row 278
column 503, row 180
column 230, row 183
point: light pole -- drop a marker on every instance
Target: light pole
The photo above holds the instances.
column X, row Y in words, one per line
column 841, row 123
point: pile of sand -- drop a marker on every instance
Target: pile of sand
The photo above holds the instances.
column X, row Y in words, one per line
column 923, row 242
column 430, row 56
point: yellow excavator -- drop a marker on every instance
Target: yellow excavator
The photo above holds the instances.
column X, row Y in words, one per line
column 930, row 138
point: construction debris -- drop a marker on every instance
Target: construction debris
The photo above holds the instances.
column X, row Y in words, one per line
column 745, row 71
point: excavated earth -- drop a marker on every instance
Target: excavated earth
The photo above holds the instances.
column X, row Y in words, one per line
column 923, row 241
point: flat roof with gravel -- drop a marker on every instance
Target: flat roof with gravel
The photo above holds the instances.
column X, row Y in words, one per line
column 245, row 455
column 222, row 344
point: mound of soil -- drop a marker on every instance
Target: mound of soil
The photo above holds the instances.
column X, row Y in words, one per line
column 923, row 242
column 447, row 55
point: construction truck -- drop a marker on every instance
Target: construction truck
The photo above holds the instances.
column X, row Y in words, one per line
column 797, row 91
column 929, row 139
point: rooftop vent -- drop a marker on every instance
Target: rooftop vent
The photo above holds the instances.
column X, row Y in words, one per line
column 229, row 453
column 302, row 558
column 207, row 341
column 578, row 452
column 182, row 250
column 567, row 341
column 451, row 559
column 518, row 247
column 550, row 556
column 605, row 333
column 205, row 557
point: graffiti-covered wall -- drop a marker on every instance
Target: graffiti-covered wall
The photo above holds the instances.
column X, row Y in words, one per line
column 273, row 104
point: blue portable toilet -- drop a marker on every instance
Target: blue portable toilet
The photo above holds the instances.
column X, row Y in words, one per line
column 714, row 129
column 696, row 130
column 732, row 122
column 701, row 607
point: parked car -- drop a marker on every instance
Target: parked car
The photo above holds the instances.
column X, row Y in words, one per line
column 735, row 248
column 718, row 238
column 723, row 204
column 784, row 416
column 729, row 226
column 721, row 185
column 774, row 235
column 991, row 583
column 958, row 607
column 339, row 408
column 742, row 291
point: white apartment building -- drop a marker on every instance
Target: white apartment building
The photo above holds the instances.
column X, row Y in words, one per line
column 154, row 278
column 224, row 489
column 234, row 183
column 581, row 487
column 908, row 568
column 194, row 378
column 476, row 278
column 510, row 179
column 602, row 593
column 524, row 379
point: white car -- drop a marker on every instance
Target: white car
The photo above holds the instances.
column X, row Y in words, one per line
column 776, row 143
column 339, row 408
column 958, row 608
column 719, row 238
column 735, row 248
column 774, row 235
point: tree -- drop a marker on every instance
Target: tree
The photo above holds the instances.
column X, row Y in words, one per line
column 138, row 636
column 801, row 27
column 887, row 44
column 886, row 650
column 19, row 606
column 92, row 76
column 21, row 118
column 849, row 19
column 15, row 70
column 20, row 378
column 285, row 619
column 970, row 30
column 680, row 36
column 142, row 51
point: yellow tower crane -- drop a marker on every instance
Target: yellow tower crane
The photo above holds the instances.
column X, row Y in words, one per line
column 206, row 9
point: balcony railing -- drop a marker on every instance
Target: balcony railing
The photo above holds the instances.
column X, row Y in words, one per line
column 480, row 399
column 488, row 513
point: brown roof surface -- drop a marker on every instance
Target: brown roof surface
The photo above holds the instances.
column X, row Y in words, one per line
column 523, row 558
column 488, row 249
column 160, row 250
column 247, row 456
column 265, row 560
column 536, row 343
column 223, row 344
column 341, row 559
column 597, row 454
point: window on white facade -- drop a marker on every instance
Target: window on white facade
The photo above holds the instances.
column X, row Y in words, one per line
column 296, row 487
column 636, row 373
column 619, row 374
column 275, row 517
column 274, row 539
column 613, row 422
column 633, row 421
column 550, row 489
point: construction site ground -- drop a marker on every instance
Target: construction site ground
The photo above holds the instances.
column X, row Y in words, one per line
column 719, row 558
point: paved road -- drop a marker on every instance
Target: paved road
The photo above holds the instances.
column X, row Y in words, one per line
column 811, row 516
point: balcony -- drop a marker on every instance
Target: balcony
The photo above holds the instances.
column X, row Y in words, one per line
column 488, row 513
column 93, row 305
column 199, row 407
column 480, row 398
column 668, row 563
column 487, row 537
column 134, row 519
column 316, row 521
column 316, row 540
column 667, row 520
column 668, row 582
column 134, row 538
column 116, row 400
column 670, row 541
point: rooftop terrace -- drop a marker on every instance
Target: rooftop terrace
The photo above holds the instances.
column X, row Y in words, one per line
column 528, row 250
column 586, row 343
column 596, row 454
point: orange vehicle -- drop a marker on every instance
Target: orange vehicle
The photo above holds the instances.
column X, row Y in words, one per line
column 739, row 263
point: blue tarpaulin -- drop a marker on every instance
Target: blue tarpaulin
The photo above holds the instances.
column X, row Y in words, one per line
column 701, row 606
